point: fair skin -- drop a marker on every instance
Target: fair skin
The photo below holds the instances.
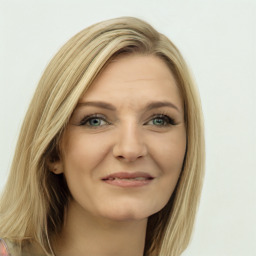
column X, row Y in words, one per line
column 121, row 154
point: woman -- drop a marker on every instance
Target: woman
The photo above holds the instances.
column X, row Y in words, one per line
column 110, row 156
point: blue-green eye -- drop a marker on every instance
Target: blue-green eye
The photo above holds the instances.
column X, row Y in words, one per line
column 158, row 121
column 161, row 120
column 93, row 121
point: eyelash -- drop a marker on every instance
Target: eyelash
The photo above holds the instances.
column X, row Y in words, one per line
column 167, row 120
column 91, row 117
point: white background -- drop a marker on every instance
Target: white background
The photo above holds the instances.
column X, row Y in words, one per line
column 218, row 40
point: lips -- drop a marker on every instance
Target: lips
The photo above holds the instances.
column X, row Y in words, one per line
column 124, row 179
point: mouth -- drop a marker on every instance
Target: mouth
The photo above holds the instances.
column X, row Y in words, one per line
column 124, row 179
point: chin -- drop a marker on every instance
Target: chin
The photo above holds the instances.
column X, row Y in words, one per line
column 129, row 214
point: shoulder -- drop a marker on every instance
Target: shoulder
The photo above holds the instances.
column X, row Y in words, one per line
column 15, row 248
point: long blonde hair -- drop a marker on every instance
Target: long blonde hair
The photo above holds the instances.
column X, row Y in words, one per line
column 33, row 203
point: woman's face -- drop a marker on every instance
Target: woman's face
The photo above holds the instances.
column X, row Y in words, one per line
column 124, row 146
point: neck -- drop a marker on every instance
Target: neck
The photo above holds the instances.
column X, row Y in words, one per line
column 84, row 234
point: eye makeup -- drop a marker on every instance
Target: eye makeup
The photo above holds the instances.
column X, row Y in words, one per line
column 94, row 121
column 89, row 117
column 161, row 120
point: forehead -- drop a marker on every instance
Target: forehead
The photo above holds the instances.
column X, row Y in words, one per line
column 134, row 77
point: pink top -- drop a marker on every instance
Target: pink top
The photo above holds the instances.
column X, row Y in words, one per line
column 3, row 249
column 12, row 248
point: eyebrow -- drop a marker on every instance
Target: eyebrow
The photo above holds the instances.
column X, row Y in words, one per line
column 149, row 106
column 99, row 104
column 160, row 104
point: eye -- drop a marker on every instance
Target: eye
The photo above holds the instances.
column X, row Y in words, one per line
column 161, row 120
column 93, row 121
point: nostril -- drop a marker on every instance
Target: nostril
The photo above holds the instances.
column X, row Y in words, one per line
column 132, row 156
column 129, row 145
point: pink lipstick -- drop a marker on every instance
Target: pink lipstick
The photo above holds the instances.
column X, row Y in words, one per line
column 125, row 179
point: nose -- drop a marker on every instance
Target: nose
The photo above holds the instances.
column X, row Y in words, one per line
column 129, row 145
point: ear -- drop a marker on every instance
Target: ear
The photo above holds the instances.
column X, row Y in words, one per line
column 55, row 166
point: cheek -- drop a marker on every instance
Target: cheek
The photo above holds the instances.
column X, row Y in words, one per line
column 170, row 156
column 81, row 153
column 173, row 157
